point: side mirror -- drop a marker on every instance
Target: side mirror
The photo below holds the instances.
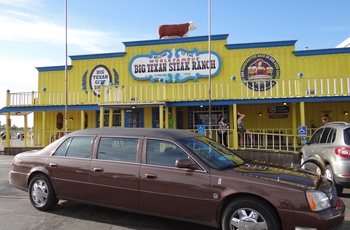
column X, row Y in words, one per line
column 185, row 163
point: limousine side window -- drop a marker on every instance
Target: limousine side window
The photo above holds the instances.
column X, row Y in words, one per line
column 75, row 147
column 117, row 149
column 163, row 153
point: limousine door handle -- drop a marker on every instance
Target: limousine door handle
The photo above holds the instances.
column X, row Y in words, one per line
column 98, row 169
column 151, row 176
column 53, row 165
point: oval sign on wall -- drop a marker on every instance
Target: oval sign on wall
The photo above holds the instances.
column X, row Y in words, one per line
column 100, row 75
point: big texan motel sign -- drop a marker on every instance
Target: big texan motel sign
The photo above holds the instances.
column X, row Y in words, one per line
column 176, row 65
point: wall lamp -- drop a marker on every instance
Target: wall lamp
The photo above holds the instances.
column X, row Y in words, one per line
column 71, row 119
column 260, row 114
column 346, row 113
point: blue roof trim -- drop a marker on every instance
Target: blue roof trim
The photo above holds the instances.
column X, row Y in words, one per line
column 175, row 40
column 49, row 108
column 260, row 44
column 53, row 68
column 322, row 52
column 260, row 101
column 97, row 56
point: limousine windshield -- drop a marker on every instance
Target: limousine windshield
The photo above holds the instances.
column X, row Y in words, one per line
column 214, row 154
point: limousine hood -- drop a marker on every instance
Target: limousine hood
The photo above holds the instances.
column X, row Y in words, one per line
column 282, row 174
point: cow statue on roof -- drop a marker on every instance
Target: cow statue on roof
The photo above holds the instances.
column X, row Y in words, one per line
column 176, row 30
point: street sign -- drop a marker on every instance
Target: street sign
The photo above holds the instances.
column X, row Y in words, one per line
column 302, row 131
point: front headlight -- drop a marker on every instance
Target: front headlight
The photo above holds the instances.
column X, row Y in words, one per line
column 317, row 200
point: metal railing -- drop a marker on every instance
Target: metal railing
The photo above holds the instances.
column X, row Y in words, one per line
column 267, row 140
column 148, row 92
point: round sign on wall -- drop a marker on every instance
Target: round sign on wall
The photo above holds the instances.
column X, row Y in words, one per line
column 259, row 72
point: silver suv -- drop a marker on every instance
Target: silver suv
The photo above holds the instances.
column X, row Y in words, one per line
column 332, row 143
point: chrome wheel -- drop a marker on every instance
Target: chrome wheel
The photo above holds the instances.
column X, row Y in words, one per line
column 249, row 213
column 39, row 193
column 329, row 174
column 247, row 218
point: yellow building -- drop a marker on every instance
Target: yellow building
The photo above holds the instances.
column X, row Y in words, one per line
column 275, row 86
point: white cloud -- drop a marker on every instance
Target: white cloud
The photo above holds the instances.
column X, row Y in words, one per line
column 31, row 28
column 22, row 3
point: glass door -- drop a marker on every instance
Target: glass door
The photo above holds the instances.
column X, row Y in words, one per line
column 134, row 118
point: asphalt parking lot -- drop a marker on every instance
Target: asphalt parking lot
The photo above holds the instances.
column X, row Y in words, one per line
column 17, row 213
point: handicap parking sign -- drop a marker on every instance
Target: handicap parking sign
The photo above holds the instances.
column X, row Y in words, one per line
column 302, row 131
column 201, row 129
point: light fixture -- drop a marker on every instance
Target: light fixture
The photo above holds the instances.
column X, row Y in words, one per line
column 346, row 113
column 133, row 107
column 71, row 119
column 284, row 103
column 260, row 114
column 201, row 106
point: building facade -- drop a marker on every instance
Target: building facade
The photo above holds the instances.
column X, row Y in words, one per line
column 278, row 88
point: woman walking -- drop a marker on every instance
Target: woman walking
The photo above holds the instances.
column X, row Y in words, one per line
column 241, row 130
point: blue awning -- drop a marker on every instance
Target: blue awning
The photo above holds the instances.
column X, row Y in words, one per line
column 26, row 110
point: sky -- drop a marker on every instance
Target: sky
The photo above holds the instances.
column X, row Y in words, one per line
column 33, row 31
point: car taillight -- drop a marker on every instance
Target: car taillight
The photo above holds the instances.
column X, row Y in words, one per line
column 343, row 152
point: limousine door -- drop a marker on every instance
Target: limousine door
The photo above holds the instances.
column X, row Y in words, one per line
column 170, row 191
column 69, row 168
column 114, row 173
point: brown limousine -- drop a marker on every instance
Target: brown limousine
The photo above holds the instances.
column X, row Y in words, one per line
column 176, row 174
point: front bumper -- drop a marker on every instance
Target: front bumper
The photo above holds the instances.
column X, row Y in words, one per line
column 329, row 219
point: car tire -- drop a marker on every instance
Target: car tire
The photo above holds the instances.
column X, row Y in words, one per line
column 329, row 175
column 41, row 193
column 237, row 215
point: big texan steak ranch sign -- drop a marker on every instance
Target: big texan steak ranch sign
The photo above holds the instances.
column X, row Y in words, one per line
column 176, row 65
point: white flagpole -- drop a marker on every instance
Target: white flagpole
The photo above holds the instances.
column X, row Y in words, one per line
column 209, row 74
column 66, row 72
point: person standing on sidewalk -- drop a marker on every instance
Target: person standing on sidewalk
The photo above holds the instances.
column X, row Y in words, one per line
column 223, row 129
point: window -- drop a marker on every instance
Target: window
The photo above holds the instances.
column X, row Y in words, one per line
column 325, row 135
column 75, row 147
column 347, row 136
column 117, row 149
column 62, row 149
column 315, row 139
column 163, row 153
column 331, row 136
column 116, row 119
